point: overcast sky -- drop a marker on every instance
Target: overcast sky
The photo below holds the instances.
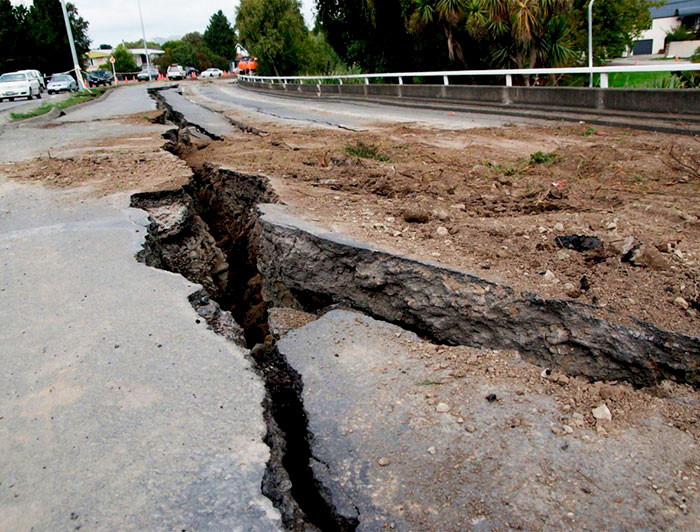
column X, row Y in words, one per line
column 112, row 21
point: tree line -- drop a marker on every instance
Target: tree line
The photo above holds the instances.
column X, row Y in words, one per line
column 35, row 37
column 415, row 35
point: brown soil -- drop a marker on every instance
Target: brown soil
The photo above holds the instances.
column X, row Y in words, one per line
column 107, row 166
column 487, row 206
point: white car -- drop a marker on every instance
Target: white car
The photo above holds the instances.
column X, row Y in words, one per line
column 176, row 72
column 35, row 74
column 212, row 73
column 60, row 83
column 19, row 85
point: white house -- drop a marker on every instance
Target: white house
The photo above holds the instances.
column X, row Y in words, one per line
column 665, row 19
column 95, row 58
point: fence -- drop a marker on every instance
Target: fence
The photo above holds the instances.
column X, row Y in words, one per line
column 507, row 73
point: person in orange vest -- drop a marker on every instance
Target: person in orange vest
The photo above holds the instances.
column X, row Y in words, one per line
column 252, row 65
column 243, row 65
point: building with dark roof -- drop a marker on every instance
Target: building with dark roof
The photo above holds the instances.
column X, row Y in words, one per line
column 665, row 19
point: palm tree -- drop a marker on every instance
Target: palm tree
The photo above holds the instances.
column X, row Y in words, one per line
column 527, row 33
column 447, row 13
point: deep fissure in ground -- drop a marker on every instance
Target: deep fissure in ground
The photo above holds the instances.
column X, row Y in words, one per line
column 203, row 231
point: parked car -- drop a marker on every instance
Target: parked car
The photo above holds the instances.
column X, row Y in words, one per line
column 176, row 72
column 19, row 85
column 212, row 73
column 60, row 83
column 35, row 74
column 99, row 78
column 143, row 75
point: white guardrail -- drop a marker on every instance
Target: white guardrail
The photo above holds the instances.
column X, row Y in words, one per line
column 508, row 73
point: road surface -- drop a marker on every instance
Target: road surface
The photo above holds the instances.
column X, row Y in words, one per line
column 119, row 408
column 351, row 115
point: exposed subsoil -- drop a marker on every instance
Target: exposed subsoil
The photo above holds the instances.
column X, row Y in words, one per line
column 479, row 200
column 500, row 214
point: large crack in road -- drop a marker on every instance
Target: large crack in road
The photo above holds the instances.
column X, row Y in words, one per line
column 215, row 232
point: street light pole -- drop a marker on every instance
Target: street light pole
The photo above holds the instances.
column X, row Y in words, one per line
column 76, row 65
column 145, row 46
column 590, row 41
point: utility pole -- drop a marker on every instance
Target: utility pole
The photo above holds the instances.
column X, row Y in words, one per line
column 76, row 65
column 145, row 46
column 590, row 41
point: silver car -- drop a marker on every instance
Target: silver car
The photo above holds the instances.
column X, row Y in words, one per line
column 19, row 85
column 60, row 83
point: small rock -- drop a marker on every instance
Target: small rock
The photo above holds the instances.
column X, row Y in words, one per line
column 623, row 246
column 562, row 255
column 491, row 397
column 578, row 242
column 546, row 373
column 383, row 461
column 611, row 226
column 602, row 413
column 681, row 303
column 470, row 428
column 432, row 450
column 486, row 266
column 415, row 215
column 550, row 277
column 558, row 431
column 442, row 231
column 459, row 206
column 611, row 393
column 442, row 407
column 460, row 420
column 567, row 429
column 584, row 284
column 542, row 229
column 572, row 291
column 577, row 419
column 563, row 379
column 559, row 227
column 644, row 256
column 441, row 214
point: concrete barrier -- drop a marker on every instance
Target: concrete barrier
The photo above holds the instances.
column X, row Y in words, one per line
column 664, row 101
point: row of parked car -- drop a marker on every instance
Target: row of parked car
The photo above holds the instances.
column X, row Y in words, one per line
column 175, row 72
column 30, row 84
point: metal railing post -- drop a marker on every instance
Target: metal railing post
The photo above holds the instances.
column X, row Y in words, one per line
column 340, row 81
column 603, row 80
column 590, row 41
column 509, row 80
column 400, row 80
column 445, row 80
column 366, row 81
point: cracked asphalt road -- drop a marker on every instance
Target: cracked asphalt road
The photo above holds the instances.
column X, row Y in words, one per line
column 119, row 408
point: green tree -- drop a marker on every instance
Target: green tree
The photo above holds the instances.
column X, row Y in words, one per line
column 9, row 36
column 275, row 33
column 526, row 33
column 123, row 60
column 139, row 44
column 374, row 36
column 220, row 37
column 447, row 14
column 616, row 25
column 48, row 41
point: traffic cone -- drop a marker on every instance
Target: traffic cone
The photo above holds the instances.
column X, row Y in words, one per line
column 676, row 59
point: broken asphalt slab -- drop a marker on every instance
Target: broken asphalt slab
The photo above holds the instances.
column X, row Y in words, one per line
column 119, row 408
column 399, row 443
column 212, row 123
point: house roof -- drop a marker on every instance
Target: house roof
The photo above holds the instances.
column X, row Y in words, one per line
column 142, row 51
column 96, row 54
column 672, row 8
